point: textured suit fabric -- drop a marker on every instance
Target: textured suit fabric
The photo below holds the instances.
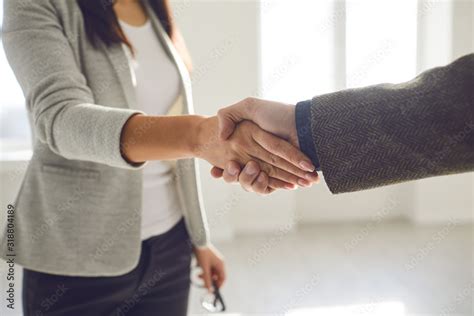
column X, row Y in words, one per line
column 390, row 133
column 78, row 211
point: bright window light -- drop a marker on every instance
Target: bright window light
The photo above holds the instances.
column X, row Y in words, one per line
column 380, row 41
column 373, row 309
column 313, row 47
column 297, row 49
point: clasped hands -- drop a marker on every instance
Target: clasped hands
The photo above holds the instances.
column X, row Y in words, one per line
column 257, row 146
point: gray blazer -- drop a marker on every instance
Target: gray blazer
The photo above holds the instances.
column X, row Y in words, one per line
column 390, row 133
column 78, row 211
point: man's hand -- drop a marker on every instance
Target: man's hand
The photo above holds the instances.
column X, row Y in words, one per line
column 280, row 160
column 274, row 117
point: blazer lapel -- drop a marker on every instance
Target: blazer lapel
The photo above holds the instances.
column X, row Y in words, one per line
column 173, row 54
column 121, row 65
column 123, row 69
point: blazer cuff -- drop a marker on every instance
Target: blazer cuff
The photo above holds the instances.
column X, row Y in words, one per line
column 303, row 128
column 92, row 132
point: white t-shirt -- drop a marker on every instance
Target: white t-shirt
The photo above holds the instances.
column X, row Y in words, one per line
column 157, row 85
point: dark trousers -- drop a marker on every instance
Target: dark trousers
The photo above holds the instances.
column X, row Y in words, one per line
column 159, row 285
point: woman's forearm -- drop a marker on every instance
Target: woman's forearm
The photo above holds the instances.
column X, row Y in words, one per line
column 190, row 136
column 160, row 137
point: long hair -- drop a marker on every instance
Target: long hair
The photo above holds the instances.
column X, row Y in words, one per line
column 101, row 24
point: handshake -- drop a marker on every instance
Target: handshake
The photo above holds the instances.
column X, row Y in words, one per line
column 255, row 142
column 363, row 138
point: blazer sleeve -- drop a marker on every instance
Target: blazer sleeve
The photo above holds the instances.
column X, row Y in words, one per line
column 390, row 133
column 56, row 92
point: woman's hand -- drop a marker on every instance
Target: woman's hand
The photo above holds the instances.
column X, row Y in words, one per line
column 212, row 265
column 254, row 181
column 283, row 165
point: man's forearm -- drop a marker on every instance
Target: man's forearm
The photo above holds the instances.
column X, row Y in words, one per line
column 379, row 135
column 384, row 134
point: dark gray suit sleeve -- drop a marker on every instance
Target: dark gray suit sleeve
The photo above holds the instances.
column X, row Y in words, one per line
column 390, row 133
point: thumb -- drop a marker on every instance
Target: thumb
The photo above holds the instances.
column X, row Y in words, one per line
column 226, row 123
column 230, row 116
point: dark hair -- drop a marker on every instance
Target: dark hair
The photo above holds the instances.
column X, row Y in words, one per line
column 101, row 23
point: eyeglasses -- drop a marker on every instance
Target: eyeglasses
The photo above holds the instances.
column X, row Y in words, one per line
column 211, row 302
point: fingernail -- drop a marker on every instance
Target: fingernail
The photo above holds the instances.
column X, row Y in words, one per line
column 306, row 165
column 311, row 176
column 303, row 183
column 261, row 178
column 250, row 170
column 290, row 186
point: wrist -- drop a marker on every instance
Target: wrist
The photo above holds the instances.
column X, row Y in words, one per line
column 203, row 135
column 193, row 134
column 277, row 118
column 292, row 133
column 303, row 123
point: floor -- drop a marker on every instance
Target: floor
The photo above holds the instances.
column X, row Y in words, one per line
column 366, row 269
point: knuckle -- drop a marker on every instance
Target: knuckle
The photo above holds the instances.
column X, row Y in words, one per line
column 254, row 165
column 249, row 100
column 222, row 112
column 268, row 169
column 274, row 159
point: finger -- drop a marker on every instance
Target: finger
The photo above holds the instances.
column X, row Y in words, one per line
column 248, row 175
column 270, row 190
column 226, row 125
column 229, row 117
column 313, row 177
column 281, row 174
column 264, row 155
column 220, row 274
column 283, row 149
column 216, row 172
column 231, row 172
column 206, row 274
column 268, row 185
column 260, row 185
column 276, row 184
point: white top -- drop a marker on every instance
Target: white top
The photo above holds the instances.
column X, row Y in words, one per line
column 157, row 85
